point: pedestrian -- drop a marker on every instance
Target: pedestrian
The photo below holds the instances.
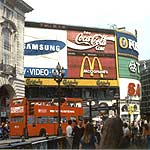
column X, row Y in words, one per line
column 126, row 136
column 88, row 140
column 135, row 131
column 1, row 131
column 77, row 133
column 146, row 135
column 69, row 134
column 5, row 130
column 97, row 134
column 112, row 134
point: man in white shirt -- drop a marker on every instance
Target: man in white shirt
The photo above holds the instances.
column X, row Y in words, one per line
column 69, row 134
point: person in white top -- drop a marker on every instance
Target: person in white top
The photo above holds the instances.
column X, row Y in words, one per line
column 69, row 134
column 126, row 135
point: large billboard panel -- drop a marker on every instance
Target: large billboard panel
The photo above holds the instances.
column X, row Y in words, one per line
column 43, row 49
column 129, row 68
column 127, row 44
column 130, row 88
column 91, row 55
column 86, row 56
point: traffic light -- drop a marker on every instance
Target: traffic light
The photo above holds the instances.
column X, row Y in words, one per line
column 31, row 108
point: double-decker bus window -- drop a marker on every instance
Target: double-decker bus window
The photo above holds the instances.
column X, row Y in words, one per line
column 73, row 118
column 63, row 119
column 17, row 119
column 16, row 102
column 80, row 117
column 53, row 119
column 31, row 119
column 78, row 105
column 42, row 120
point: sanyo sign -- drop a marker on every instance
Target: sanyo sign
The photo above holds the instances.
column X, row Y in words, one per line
column 127, row 43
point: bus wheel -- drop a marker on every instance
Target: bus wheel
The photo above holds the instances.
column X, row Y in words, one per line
column 42, row 132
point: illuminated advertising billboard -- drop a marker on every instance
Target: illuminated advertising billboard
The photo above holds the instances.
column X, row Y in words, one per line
column 127, row 44
column 43, row 49
column 91, row 55
column 89, row 58
column 130, row 88
column 129, row 68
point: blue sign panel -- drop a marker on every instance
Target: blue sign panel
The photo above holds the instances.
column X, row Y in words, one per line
column 127, row 44
column 39, row 72
column 41, row 47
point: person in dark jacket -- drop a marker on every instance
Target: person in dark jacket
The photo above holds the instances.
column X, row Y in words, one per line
column 112, row 133
column 77, row 133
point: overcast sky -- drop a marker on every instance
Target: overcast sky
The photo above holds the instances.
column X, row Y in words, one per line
column 132, row 14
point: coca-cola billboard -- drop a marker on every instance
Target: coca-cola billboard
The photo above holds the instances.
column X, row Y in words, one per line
column 91, row 55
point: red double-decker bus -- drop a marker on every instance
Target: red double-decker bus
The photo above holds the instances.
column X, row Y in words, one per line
column 39, row 117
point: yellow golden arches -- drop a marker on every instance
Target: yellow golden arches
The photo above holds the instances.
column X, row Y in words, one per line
column 91, row 66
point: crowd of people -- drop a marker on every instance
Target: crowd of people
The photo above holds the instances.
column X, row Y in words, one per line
column 113, row 134
column 81, row 135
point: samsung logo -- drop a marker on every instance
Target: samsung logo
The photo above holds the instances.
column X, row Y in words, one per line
column 41, row 47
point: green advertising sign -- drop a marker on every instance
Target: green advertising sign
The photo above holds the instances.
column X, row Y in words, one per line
column 129, row 68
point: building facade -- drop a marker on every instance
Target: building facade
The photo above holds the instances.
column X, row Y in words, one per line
column 145, row 83
column 97, row 62
column 129, row 76
column 11, row 52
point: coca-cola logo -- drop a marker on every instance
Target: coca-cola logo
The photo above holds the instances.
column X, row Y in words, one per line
column 98, row 41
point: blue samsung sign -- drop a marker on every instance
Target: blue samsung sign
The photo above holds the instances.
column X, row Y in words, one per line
column 41, row 47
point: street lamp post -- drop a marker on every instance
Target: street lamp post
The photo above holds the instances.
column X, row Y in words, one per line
column 116, row 96
column 90, row 103
column 58, row 74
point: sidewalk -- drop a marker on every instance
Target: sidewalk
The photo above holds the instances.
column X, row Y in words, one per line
column 132, row 146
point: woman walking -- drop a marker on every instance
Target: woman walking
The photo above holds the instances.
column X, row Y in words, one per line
column 88, row 140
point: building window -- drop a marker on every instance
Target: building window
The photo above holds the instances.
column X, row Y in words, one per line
column 7, row 13
column 6, row 45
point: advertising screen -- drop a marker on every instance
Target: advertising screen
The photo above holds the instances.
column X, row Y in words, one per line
column 127, row 44
column 129, row 68
column 130, row 88
column 43, row 49
column 91, row 55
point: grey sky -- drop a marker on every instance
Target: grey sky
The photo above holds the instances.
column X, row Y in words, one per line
column 132, row 14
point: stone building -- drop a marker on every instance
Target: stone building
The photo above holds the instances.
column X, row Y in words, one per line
column 12, row 17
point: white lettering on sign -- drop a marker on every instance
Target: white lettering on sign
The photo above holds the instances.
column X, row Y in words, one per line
column 63, row 111
column 41, row 72
column 41, row 47
column 19, row 109
column 98, row 40
column 128, row 43
column 42, row 110
column 95, row 71
column 134, row 66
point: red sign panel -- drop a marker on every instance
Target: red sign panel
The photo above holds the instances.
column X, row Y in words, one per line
column 91, row 55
